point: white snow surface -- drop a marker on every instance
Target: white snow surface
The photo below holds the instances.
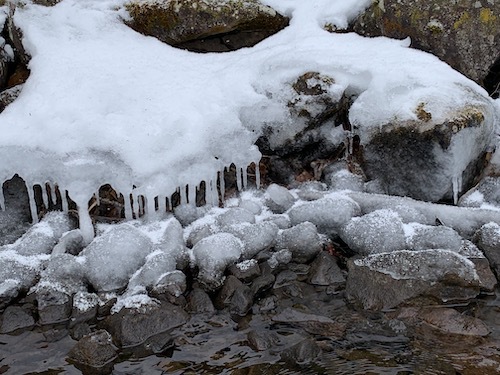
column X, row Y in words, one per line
column 104, row 104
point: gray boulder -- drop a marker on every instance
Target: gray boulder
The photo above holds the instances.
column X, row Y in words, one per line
column 302, row 240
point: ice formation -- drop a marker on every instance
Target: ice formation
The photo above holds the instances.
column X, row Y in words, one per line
column 150, row 119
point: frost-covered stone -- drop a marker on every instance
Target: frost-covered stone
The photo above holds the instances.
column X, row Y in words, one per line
column 171, row 283
column 54, row 306
column 255, row 237
column 345, row 180
column 302, row 240
column 94, row 350
column 252, row 206
column 282, row 221
column 187, row 213
column 488, row 240
column 278, row 198
column 311, row 190
column 235, row 215
column 156, row 266
column 43, row 236
column 484, row 194
column 65, row 273
column 172, row 242
column 422, row 237
column 377, row 232
column 112, row 258
column 383, row 281
column 198, row 233
column 71, row 242
column 213, row 254
column 328, row 214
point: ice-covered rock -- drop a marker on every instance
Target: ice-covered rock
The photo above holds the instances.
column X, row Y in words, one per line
column 255, row 237
column 172, row 242
column 281, row 220
column 485, row 194
column 302, row 240
column 377, row 232
column 383, row 281
column 71, row 242
column 65, row 273
column 329, row 214
column 278, row 198
column 421, row 237
column 157, row 264
column 213, row 254
column 187, row 213
column 488, row 240
column 345, row 180
column 43, row 236
column 172, row 284
column 311, row 190
column 95, row 350
column 253, row 206
column 112, row 258
column 235, row 215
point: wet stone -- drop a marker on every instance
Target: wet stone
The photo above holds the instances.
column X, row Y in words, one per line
column 16, row 317
column 450, row 321
column 53, row 306
column 262, row 283
column 199, row 302
column 241, row 301
column 262, row 340
column 284, row 278
column 302, row 353
column 245, row 271
column 94, row 350
column 325, row 271
column 223, row 298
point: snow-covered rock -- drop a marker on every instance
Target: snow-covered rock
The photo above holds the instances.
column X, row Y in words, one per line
column 235, row 215
column 421, row 237
column 486, row 194
column 112, row 258
column 302, row 240
column 377, row 232
column 488, row 240
column 157, row 265
column 278, row 198
column 255, row 237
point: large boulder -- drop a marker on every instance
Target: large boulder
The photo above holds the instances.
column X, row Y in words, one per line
column 205, row 25
column 462, row 33
column 431, row 159
column 386, row 280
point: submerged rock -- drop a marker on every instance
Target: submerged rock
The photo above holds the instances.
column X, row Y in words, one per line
column 450, row 321
column 383, row 281
column 205, row 26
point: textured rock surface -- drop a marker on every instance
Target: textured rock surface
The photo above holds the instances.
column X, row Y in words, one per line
column 94, row 350
column 206, row 25
column 465, row 34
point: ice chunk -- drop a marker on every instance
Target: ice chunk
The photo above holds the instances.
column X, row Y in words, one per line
column 278, row 198
column 377, row 232
column 281, row 220
column 43, row 236
column 302, row 240
column 424, row 237
column 311, row 190
column 345, row 180
column 71, row 242
column 213, row 254
column 251, row 205
column 187, row 213
column 172, row 242
column 329, row 214
column 112, row 258
column 157, row 265
column 283, row 256
column 64, row 273
column 255, row 237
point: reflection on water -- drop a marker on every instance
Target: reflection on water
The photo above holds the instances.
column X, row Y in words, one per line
column 373, row 344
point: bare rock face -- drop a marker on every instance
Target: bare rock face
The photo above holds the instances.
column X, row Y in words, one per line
column 430, row 160
column 464, row 34
column 205, row 25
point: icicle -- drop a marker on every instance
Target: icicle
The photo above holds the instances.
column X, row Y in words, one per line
column 2, row 199
column 128, row 207
column 238, row 178
column 150, row 207
column 136, row 206
column 245, row 177
column 456, row 183
column 31, row 195
column 53, row 194
column 86, row 226
column 97, row 198
column 161, row 204
column 45, row 196
column 183, row 195
column 192, row 194
column 257, row 174
column 213, row 192
column 64, row 200
column 222, row 185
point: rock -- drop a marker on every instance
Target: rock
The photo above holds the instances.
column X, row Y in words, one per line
column 413, row 158
column 282, row 221
column 187, row 213
column 173, row 284
column 205, row 26
column 157, row 264
column 325, row 271
column 291, row 315
column 212, row 255
column 199, row 302
column 345, row 180
column 262, row 340
column 457, row 32
column 131, row 327
column 223, row 298
column 241, row 300
column 94, row 350
column 16, row 317
column 302, row 240
column 377, row 232
column 255, row 207
column 263, row 283
column 245, row 271
column 383, row 281
column 450, row 321
column 486, row 192
column 278, row 198
column 311, row 190
column 302, row 353
column 54, row 306
column 64, row 272
column 172, row 243
column 4, row 59
column 255, row 237
column 488, row 240
column 235, row 215
column 112, row 258
column 284, row 278
column 85, row 307
column 71, row 242
column 328, row 214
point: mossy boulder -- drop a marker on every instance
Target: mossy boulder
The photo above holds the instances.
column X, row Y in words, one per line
column 463, row 33
column 430, row 160
column 205, row 25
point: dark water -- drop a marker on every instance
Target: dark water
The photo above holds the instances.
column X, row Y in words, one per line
column 218, row 345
